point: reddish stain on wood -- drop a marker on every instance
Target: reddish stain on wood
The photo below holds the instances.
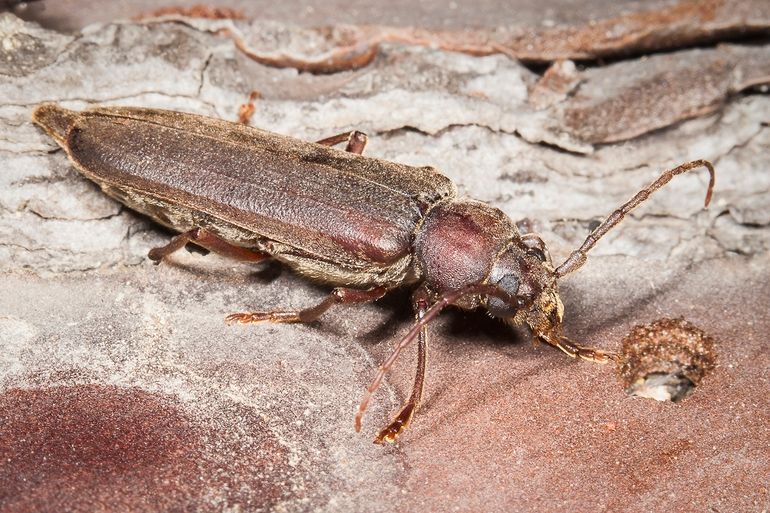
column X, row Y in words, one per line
column 106, row 448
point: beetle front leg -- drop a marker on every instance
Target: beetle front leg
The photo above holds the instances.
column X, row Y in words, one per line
column 356, row 141
column 575, row 350
column 339, row 295
column 207, row 240
column 404, row 417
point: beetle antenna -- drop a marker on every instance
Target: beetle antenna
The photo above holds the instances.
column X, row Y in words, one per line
column 430, row 313
column 578, row 257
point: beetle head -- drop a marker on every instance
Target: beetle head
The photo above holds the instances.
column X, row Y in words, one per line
column 524, row 275
column 523, row 271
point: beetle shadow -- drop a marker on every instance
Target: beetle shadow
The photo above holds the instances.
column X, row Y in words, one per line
column 483, row 329
column 462, row 331
column 398, row 305
column 268, row 272
column 492, row 391
column 478, row 331
column 456, row 324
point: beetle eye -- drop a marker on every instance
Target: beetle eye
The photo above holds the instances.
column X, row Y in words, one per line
column 537, row 253
column 535, row 246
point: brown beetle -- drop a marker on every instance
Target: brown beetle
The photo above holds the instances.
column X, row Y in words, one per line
column 362, row 224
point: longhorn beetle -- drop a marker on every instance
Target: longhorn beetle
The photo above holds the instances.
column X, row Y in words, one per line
column 364, row 225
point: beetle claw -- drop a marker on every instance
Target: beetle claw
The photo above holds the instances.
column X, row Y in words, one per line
column 397, row 426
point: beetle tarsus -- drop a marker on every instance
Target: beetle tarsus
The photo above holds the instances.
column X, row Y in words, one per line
column 357, row 142
column 430, row 313
column 339, row 295
column 277, row 316
column 575, row 350
column 397, row 425
column 422, row 322
column 404, row 417
column 175, row 244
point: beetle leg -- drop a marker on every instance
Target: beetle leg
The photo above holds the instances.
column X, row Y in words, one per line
column 338, row 295
column 422, row 321
column 404, row 417
column 356, row 141
column 575, row 350
column 208, row 240
column 246, row 111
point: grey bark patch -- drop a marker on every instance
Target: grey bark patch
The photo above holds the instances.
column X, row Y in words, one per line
column 24, row 47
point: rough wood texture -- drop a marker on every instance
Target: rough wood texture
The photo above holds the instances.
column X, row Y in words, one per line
column 340, row 34
column 93, row 337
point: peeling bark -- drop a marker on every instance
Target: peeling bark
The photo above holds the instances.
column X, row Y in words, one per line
column 650, row 26
column 628, row 99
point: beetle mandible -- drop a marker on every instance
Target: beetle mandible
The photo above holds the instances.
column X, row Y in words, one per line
column 361, row 224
